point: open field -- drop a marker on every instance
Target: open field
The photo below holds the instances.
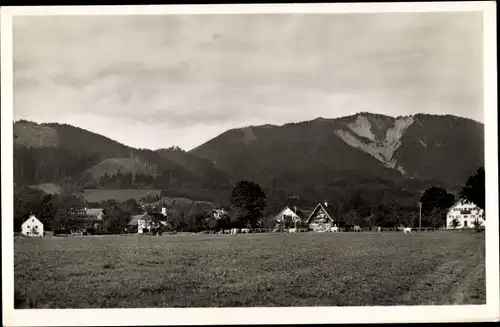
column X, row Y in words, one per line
column 49, row 188
column 307, row 269
column 179, row 195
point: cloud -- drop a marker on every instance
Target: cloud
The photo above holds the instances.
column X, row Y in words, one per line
column 194, row 75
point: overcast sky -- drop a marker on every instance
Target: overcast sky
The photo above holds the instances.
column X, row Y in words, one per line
column 157, row 81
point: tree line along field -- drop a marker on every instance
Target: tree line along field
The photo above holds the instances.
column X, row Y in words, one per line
column 279, row 269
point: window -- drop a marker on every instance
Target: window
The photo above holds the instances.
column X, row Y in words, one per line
column 465, row 223
column 28, row 226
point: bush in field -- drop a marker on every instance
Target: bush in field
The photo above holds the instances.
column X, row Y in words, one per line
column 477, row 226
column 454, row 223
column 287, row 222
column 179, row 222
column 213, row 224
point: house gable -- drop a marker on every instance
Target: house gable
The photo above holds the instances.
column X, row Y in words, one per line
column 287, row 212
column 32, row 220
column 320, row 213
column 32, row 227
column 464, row 202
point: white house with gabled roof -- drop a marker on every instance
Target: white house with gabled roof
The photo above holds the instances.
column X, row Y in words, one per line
column 466, row 213
column 32, row 227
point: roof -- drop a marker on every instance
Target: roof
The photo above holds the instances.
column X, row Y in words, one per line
column 32, row 217
column 156, row 215
column 462, row 201
column 284, row 209
column 301, row 213
column 329, row 211
column 135, row 218
column 94, row 211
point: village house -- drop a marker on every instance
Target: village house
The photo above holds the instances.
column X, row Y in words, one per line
column 32, row 227
column 296, row 215
column 95, row 214
column 287, row 212
column 321, row 219
column 219, row 213
column 139, row 221
column 465, row 213
column 148, row 220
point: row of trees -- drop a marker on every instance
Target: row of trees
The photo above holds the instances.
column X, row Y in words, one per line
column 126, row 180
column 247, row 206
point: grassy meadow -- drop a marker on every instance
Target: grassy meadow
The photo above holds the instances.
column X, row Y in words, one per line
column 308, row 269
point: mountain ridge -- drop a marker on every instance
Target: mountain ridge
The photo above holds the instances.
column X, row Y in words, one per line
column 312, row 158
column 22, row 120
column 391, row 147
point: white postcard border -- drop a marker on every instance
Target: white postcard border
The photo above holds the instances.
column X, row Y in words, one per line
column 222, row 316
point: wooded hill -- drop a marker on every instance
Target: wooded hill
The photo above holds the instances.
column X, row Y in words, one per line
column 53, row 153
column 389, row 159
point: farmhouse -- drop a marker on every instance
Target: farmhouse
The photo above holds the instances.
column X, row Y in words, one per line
column 296, row 216
column 148, row 220
column 219, row 213
column 321, row 218
column 287, row 212
column 142, row 222
column 32, row 227
column 465, row 213
column 95, row 214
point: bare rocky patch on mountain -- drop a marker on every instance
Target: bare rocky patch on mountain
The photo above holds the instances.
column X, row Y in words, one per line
column 383, row 144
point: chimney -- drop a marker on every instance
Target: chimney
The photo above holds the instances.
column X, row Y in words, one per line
column 326, row 204
column 164, row 211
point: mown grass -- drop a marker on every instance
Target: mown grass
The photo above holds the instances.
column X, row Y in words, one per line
column 309, row 269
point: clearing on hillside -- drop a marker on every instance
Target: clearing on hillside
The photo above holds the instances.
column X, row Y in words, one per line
column 49, row 188
column 308, row 269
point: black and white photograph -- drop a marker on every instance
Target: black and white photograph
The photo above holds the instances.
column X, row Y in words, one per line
column 310, row 163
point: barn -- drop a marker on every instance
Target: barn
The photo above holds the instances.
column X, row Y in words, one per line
column 32, row 227
column 322, row 218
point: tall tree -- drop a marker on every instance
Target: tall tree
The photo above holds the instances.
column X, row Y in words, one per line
column 131, row 206
column 436, row 197
column 115, row 220
column 474, row 189
column 248, row 201
column 435, row 203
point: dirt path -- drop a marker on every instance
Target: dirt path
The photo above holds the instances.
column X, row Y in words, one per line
column 469, row 291
column 453, row 282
